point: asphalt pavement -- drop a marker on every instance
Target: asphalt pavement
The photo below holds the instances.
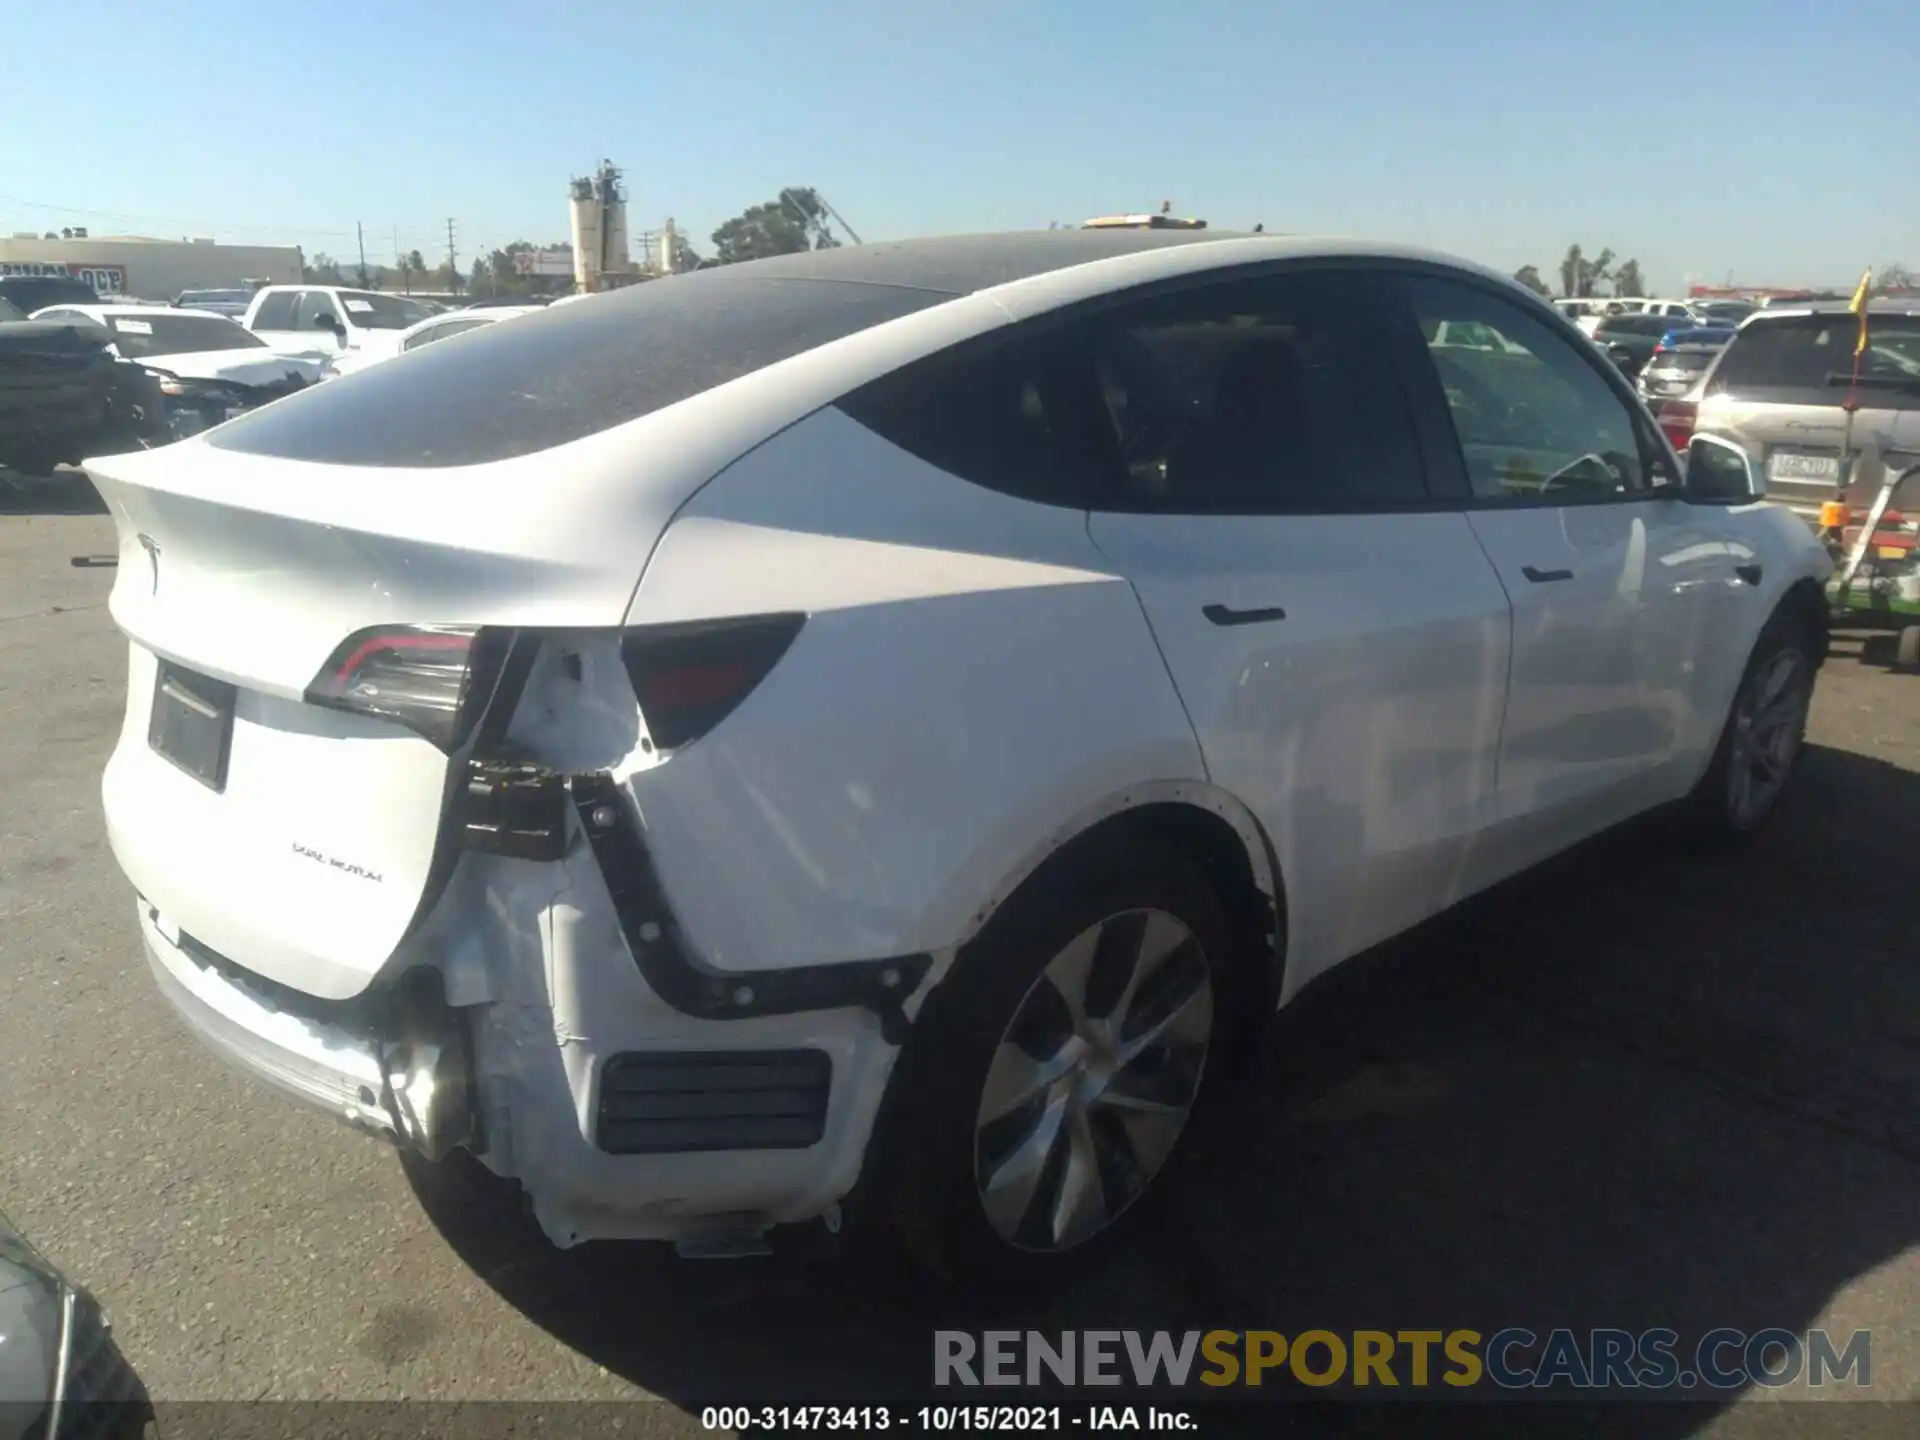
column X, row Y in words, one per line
column 1640, row 1088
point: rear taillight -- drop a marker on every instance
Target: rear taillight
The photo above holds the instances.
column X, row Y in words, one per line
column 688, row 678
column 432, row 679
column 1676, row 422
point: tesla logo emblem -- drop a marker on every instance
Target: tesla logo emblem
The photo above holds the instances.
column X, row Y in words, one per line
column 152, row 547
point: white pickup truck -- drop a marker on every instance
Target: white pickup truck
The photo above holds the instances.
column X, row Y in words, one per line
column 331, row 320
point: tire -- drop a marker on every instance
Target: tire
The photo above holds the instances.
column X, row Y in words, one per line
column 1906, row 654
column 1002, row 1001
column 1761, row 739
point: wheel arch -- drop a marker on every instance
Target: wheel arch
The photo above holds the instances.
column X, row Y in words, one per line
column 1805, row 600
column 1192, row 818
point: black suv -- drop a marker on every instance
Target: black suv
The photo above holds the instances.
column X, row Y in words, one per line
column 28, row 293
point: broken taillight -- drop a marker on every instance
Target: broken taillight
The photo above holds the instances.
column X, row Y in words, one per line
column 432, row 679
column 689, row 677
column 1676, row 422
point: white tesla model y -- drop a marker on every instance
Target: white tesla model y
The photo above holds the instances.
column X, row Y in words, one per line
column 878, row 725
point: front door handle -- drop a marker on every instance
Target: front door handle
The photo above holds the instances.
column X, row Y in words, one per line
column 1541, row 577
column 1223, row 615
column 1749, row 573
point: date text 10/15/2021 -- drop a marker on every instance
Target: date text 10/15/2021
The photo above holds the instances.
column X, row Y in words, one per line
column 940, row 1419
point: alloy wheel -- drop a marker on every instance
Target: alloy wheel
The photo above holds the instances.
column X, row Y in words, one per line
column 1093, row 1080
column 1769, row 722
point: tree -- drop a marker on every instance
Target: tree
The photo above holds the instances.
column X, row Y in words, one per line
column 1571, row 269
column 1626, row 279
column 323, row 270
column 1893, row 277
column 794, row 220
column 1579, row 275
column 1598, row 269
column 1529, row 276
column 477, row 275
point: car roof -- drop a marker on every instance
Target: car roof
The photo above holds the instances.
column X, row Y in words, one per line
column 965, row 264
column 1803, row 308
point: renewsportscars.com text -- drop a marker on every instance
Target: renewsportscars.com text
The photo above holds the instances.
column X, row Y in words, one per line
column 1514, row 1358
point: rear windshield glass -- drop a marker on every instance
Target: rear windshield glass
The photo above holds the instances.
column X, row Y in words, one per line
column 1686, row 362
column 375, row 310
column 1812, row 356
column 566, row 373
column 139, row 336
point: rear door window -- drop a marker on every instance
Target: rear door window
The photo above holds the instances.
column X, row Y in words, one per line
column 1808, row 359
column 1268, row 396
column 275, row 312
column 568, row 372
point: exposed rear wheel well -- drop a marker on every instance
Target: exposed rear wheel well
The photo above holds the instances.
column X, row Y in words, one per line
column 1216, row 850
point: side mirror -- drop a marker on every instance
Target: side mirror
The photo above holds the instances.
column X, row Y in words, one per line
column 1621, row 355
column 324, row 321
column 1720, row 472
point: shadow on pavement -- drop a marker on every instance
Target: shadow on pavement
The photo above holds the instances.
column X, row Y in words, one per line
column 1637, row 1088
column 65, row 492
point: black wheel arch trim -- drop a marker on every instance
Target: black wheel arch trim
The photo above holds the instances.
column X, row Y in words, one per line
column 677, row 976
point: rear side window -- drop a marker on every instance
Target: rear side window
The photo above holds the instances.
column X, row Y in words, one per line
column 566, row 373
column 1014, row 412
column 1808, row 359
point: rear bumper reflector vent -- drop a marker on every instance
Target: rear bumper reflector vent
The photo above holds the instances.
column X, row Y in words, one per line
column 655, row 1103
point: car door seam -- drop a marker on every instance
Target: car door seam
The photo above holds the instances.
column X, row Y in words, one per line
column 1513, row 623
column 1206, row 767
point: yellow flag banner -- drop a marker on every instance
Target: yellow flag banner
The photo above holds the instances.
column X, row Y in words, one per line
column 1859, row 307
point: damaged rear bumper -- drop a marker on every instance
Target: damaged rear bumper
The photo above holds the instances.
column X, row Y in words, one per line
column 620, row 1116
column 401, row 1069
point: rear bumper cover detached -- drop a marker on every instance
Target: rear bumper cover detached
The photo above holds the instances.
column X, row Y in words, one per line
column 402, row 1070
column 620, row 1117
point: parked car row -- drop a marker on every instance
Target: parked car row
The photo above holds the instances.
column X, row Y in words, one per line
column 1779, row 386
column 90, row 376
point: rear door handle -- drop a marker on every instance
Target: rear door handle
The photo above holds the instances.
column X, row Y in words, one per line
column 1224, row 615
column 1749, row 573
column 1541, row 577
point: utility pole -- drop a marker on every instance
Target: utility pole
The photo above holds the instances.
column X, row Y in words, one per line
column 361, row 231
column 453, row 262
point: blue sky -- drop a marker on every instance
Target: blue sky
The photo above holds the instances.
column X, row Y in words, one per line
column 1696, row 137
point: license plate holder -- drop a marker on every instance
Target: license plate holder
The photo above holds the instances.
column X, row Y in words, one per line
column 1792, row 465
column 192, row 723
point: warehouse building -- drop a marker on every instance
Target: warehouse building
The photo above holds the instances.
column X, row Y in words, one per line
column 149, row 269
